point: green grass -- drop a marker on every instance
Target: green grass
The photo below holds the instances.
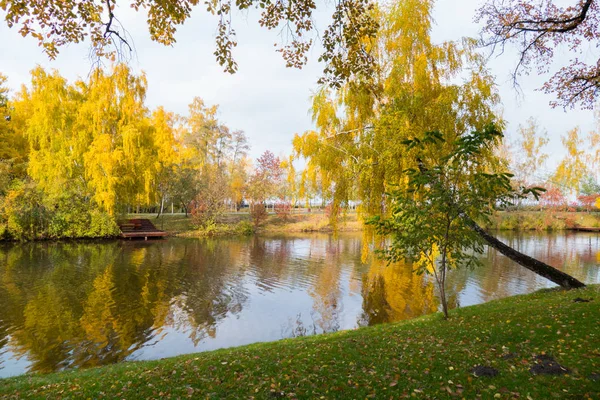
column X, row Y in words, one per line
column 423, row 358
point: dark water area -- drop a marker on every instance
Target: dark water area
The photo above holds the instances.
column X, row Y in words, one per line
column 83, row 304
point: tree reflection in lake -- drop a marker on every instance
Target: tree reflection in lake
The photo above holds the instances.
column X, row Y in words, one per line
column 82, row 304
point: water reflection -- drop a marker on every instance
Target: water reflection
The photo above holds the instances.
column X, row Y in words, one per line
column 67, row 305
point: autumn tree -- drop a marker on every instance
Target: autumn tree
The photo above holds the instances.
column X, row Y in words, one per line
column 263, row 184
column 168, row 158
column 531, row 157
column 573, row 167
column 209, row 204
column 267, row 178
column 58, row 23
column 13, row 145
column 199, row 137
column 538, row 29
column 118, row 159
column 218, row 154
column 184, row 187
column 553, row 197
column 56, row 143
column 431, row 217
column 238, row 167
column 356, row 150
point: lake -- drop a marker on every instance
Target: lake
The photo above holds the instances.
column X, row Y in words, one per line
column 82, row 304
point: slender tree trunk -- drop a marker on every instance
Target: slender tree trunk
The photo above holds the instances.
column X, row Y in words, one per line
column 162, row 206
column 560, row 278
column 444, row 301
column 184, row 208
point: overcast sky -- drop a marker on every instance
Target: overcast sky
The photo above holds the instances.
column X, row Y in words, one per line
column 265, row 99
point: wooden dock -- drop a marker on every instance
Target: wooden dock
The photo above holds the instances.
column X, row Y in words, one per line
column 140, row 228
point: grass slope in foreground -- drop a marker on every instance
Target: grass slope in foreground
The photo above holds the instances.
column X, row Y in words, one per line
column 424, row 358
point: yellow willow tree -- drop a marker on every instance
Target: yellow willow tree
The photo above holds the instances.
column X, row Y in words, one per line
column 13, row 146
column 419, row 86
column 118, row 163
column 56, row 144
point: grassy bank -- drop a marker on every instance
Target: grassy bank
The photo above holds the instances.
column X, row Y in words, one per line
column 543, row 220
column 233, row 224
column 424, row 358
column 314, row 222
column 240, row 224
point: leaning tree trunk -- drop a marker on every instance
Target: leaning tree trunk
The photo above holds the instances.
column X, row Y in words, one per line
column 540, row 268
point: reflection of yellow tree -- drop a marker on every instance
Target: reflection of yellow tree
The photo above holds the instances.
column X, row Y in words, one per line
column 49, row 326
column 393, row 293
column 326, row 294
column 97, row 304
column 211, row 289
column 80, row 309
column 97, row 320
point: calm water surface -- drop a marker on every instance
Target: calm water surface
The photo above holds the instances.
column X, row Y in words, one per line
column 67, row 305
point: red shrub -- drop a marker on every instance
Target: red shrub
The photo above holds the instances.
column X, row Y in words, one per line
column 553, row 198
column 588, row 202
column 283, row 209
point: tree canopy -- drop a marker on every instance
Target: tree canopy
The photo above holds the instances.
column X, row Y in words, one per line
column 539, row 29
column 58, row 23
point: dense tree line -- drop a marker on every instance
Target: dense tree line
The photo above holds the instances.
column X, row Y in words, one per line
column 571, row 182
column 74, row 157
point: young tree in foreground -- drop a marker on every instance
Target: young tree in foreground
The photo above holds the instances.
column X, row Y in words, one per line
column 432, row 218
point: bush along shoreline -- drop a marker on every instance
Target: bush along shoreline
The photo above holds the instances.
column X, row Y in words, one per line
column 538, row 346
column 78, row 223
column 543, row 221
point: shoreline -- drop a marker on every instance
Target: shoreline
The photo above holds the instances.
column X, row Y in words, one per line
column 422, row 357
column 238, row 224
